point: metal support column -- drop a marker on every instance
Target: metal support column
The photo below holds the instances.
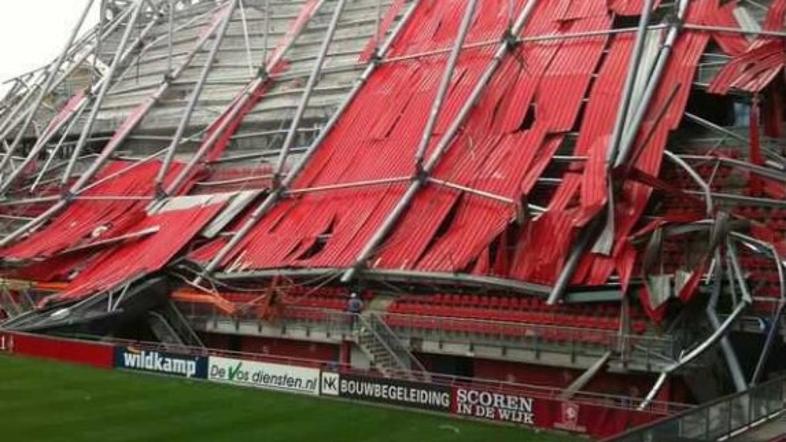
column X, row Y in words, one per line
column 306, row 97
column 170, row 34
column 387, row 225
column 246, row 39
column 444, row 86
column 54, row 69
column 194, row 98
column 630, row 132
column 266, row 37
column 72, row 119
column 630, row 82
column 695, row 353
column 277, row 193
column 229, row 114
column 585, row 377
column 728, row 351
column 735, row 274
column 566, row 275
column 107, row 83
column 772, row 333
column 99, row 41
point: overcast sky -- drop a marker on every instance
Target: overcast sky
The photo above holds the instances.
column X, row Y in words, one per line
column 34, row 32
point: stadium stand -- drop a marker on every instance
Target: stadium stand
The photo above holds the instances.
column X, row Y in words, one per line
column 593, row 189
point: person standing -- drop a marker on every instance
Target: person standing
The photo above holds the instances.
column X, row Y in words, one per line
column 354, row 308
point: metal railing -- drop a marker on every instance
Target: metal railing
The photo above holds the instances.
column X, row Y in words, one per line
column 717, row 420
column 536, row 337
column 8, row 304
column 331, row 322
column 645, row 349
column 181, row 325
column 370, row 334
column 505, row 387
column 391, row 341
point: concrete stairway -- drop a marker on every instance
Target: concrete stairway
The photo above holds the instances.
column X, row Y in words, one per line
column 164, row 331
column 385, row 349
column 773, row 431
column 382, row 358
column 171, row 327
column 15, row 306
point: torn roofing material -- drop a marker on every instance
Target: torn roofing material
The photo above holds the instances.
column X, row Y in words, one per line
column 535, row 97
column 109, row 208
column 500, row 200
column 125, row 263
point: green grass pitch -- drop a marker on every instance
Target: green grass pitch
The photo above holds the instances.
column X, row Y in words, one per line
column 47, row 401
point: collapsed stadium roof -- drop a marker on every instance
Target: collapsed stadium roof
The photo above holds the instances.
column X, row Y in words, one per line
column 593, row 150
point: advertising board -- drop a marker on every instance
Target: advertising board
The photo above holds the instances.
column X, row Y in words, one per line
column 494, row 406
column 397, row 392
column 172, row 364
column 302, row 380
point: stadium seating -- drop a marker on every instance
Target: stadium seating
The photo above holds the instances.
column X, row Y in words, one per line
column 498, row 315
column 506, row 316
column 299, row 303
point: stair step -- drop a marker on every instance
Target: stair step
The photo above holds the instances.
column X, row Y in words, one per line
column 386, row 359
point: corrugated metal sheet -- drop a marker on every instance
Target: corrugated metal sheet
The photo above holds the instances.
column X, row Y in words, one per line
column 386, row 22
column 651, row 142
column 89, row 219
column 732, row 15
column 495, row 153
column 755, row 68
column 531, row 263
column 751, row 71
column 503, row 148
column 375, row 139
column 629, row 7
column 127, row 262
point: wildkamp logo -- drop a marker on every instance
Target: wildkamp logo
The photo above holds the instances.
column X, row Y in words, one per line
column 158, row 362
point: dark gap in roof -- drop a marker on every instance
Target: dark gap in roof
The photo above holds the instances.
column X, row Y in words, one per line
column 529, row 119
column 320, row 243
column 494, row 247
column 542, row 194
column 444, row 226
column 579, row 117
column 719, row 109
column 471, row 265
column 625, row 21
